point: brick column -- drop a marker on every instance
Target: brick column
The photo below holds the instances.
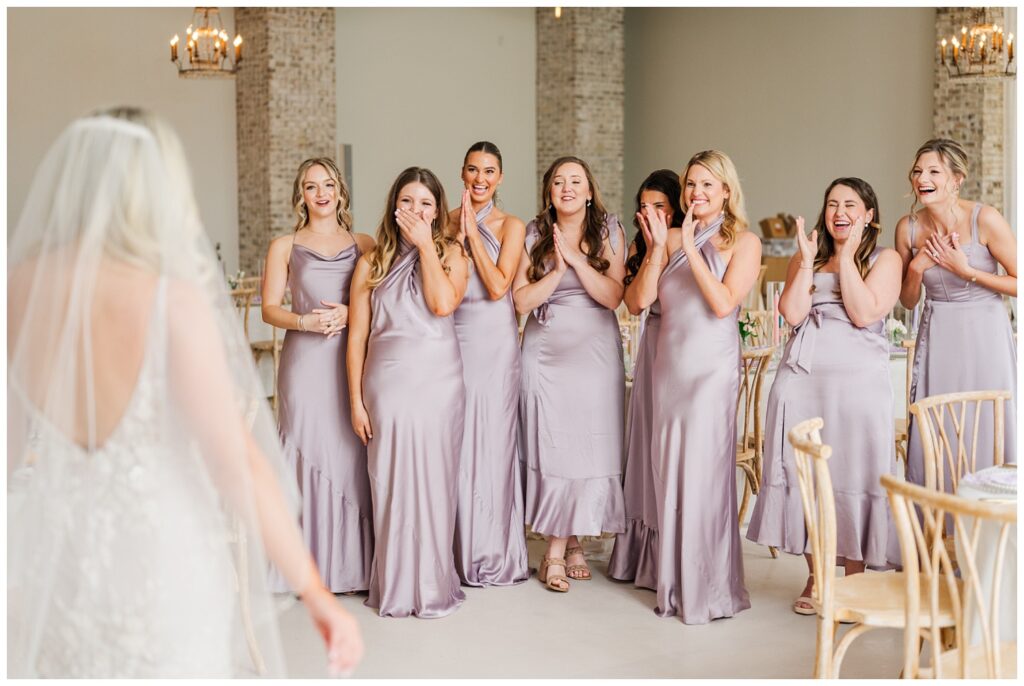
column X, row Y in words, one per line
column 580, row 94
column 971, row 111
column 285, row 112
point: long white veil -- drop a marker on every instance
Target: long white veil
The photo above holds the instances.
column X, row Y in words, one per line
column 140, row 444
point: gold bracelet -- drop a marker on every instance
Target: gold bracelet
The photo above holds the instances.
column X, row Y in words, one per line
column 655, row 264
column 301, row 327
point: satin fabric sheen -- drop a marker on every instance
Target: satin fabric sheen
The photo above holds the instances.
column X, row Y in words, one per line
column 327, row 457
column 571, row 409
column 693, row 428
column 635, row 555
column 414, row 395
column 490, row 542
column 839, row 372
column 964, row 343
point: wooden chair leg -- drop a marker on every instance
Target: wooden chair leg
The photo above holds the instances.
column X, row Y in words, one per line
column 823, row 648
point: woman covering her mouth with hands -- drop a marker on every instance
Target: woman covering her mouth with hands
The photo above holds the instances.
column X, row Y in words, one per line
column 490, row 545
column 840, row 287
column 953, row 247
column 408, row 398
column 570, row 281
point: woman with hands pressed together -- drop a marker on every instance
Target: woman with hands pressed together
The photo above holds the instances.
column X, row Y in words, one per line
column 954, row 247
column 316, row 263
column 570, row 281
column 635, row 556
column 407, row 396
column 699, row 274
column 840, row 288
column 490, row 544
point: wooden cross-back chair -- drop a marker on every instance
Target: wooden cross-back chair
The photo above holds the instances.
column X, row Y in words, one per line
column 949, row 427
column 970, row 585
column 868, row 600
column 750, row 425
column 242, row 297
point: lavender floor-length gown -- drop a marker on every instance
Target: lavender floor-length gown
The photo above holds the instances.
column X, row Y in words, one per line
column 839, row 372
column 571, row 410
column 964, row 343
column 635, row 555
column 414, row 395
column 490, row 543
column 693, row 428
column 328, row 458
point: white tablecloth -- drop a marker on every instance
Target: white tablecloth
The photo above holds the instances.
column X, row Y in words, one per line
column 994, row 483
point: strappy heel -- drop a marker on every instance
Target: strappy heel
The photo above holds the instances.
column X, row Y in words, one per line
column 550, row 579
column 584, row 568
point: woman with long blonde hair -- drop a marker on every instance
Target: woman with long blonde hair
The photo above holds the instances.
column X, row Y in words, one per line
column 570, row 282
column 953, row 248
column 407, row 396
column 700, row 275
column 315, row 262
column 840, row 287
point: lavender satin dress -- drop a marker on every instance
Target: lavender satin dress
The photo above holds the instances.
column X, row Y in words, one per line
column 327, row 457
column 839, row 372
column 570, row 410
column 635, row 555
column 414, row 395
column 490, row 542
column 964, row 343
column 693, row 447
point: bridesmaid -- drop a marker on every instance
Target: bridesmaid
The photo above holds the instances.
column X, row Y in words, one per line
column 490, row 543
column 699, row 276
column 570, row 281
column 954, row 247
column 840, row 287
column 316, row 263
column 407, row 396
column 635, row 555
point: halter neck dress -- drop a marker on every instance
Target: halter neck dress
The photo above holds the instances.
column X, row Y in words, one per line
column 571, row 407
column 839, row 372
column 693, row 446
column 490, row 544
column 964, row 343
column 414, row 395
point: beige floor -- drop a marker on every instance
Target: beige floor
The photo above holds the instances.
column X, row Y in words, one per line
column 599, row 629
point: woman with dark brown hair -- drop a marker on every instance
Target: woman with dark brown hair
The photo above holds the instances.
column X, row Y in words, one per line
column 635, row 556
column 570, row 281
column 839, row 290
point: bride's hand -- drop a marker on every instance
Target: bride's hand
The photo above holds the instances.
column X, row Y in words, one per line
column 339, row 630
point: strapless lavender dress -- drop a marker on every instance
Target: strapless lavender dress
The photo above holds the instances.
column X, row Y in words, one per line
column 839, row 372
column 635, row 555
column 328, row 459
column 413, row 390
column 964, row 343
column 695, row 387
column 571, row 410
column 490, row 543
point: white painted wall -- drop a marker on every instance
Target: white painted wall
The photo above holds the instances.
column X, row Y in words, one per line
column 63, row 63
column 419, row 86
column 797, row 97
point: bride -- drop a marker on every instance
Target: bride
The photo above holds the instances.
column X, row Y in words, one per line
column 144, row 489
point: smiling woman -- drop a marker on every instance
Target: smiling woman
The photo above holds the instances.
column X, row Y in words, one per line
column 570, row 281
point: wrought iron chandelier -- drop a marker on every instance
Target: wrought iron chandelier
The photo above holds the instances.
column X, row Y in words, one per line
column 208, row 51
column 982, row 49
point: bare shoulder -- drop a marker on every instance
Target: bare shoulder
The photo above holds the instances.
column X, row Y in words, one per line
column 890, row 255
column 748, row 241
column 989, row 218
column 512, row 224
column 281, row 246
column 364, row 242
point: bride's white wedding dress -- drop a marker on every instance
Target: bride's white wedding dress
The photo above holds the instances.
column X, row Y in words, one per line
column 140, row 573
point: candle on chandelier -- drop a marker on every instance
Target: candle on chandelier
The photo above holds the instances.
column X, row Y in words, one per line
column 983, row 50
column 942, row 51
column 238, row 49
column 174, row 48
column 1009, row 47
column 956, row 51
